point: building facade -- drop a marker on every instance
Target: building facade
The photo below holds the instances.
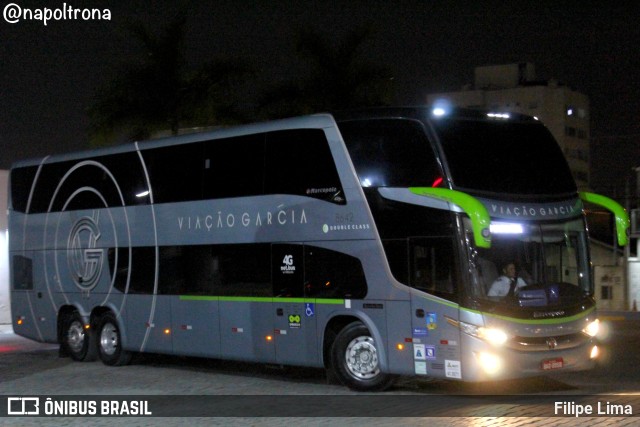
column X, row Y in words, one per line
column 514, row 88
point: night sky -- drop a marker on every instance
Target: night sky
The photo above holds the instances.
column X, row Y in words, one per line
column 49, row 74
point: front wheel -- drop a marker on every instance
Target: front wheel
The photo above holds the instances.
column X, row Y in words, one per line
column 110, row 342
column 355, row 362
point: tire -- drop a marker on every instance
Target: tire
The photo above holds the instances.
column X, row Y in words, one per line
column 77, row 341
column 354, row 359
column 109, row 342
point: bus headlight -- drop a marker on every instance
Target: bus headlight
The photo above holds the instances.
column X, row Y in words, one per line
column 490, row 363
column 493, row 336
column 592, row 328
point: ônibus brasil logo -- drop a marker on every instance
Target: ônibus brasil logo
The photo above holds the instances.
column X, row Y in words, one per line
column 83, row 257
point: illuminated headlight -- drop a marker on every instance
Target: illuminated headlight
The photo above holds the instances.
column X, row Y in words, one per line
column 493, row 336
column 506, row 228
column 592, row 328
column 595, row 352
column 490, row 363
column 439, row 112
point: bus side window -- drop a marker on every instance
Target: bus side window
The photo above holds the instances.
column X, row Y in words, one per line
column 241, row 270
column 488, row 272
column 332, row 274
column 299, row 162
column 167, row 163
column 397, row 252
column 424, row 263
column 233, row 167
column 22, row 273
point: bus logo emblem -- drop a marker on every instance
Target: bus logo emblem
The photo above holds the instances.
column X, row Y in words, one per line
column 287, row 265
column 83, row 257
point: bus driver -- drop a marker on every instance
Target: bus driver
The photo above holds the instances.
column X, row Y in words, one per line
column 508, row 283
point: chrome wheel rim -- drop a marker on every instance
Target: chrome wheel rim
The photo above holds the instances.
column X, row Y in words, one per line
column 362, row 358
column 109, row 339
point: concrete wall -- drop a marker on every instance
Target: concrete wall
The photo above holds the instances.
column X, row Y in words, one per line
column 5, row 311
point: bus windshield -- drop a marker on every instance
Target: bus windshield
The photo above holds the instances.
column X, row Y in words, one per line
column 532, row 265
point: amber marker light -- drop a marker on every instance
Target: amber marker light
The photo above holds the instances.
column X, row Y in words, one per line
column 400, row 346
column 167, row 331
column 269, row 338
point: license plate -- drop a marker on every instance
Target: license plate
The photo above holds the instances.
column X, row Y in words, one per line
column 548, row 365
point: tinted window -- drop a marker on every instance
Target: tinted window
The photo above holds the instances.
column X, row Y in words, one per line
column 416, row 220
column 331, row 274
column 242, row 270
column 397, row 252
column 83, row 184
column 22, row 273
column 300, row 162
column 175, row 172
column 21, row 181
column 424, row 263
column 234, row 167
column 431, row 265
column 224, row 270
column 390, row 153
column 139, row 271
column 503, row 156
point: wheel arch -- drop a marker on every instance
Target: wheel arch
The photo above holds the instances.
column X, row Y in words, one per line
column 338, row 322
column 63, row 312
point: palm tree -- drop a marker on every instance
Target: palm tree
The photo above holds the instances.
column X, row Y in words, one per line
column 339, row 79
column 160, row 93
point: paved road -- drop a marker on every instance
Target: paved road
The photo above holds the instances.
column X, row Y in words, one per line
column 28, row 368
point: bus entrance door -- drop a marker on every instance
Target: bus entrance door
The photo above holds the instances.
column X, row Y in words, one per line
column 295, row 321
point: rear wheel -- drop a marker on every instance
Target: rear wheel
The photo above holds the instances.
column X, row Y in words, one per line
column 110, row 342
column 354, row 358
column 77, row 340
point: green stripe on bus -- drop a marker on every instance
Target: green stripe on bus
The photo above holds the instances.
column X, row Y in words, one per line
column 480, row 219
column 262, row 299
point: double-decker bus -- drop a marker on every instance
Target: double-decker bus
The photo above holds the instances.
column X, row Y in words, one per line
column 367, row 243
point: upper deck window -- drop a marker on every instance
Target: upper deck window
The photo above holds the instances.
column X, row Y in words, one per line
column 293, row 161
column 390, row 153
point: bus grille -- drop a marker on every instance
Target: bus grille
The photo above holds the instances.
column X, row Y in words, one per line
column 562, row 342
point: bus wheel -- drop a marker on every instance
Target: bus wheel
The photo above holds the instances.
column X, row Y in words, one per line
column 354, row 358
column 76, row 339
column 110, row 342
